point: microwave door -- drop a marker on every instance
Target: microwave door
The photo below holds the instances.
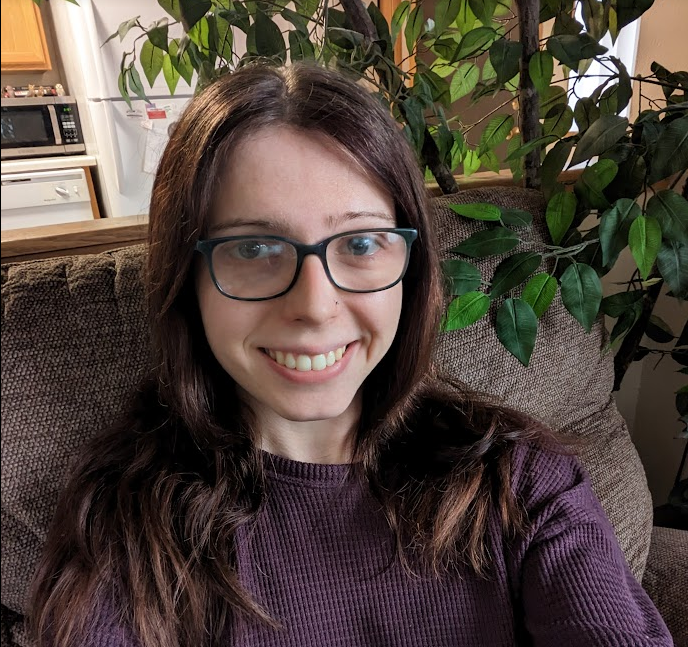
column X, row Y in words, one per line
column 28, row 131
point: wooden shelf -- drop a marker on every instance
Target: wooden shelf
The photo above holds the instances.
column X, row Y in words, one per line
column 85, row 237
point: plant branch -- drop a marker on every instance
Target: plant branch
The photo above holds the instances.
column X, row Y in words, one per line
column 528, row 10
column 629, row 346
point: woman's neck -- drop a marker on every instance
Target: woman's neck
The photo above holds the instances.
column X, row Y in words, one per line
column 312, row 441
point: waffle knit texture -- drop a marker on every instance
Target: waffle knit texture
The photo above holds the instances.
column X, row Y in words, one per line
column 319, row 557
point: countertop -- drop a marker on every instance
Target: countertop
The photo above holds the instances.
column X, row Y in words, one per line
column 47, row 163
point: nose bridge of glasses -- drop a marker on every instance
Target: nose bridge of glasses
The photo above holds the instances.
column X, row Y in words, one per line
column 317, row 249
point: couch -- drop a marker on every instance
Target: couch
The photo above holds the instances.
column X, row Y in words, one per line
column 74, row 342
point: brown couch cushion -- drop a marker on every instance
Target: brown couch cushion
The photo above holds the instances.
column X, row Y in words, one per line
column 74, row 342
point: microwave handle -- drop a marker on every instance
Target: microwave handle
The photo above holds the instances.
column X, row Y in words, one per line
column 55, row 125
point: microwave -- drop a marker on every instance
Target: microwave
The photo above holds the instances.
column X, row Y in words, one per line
column 39, row 126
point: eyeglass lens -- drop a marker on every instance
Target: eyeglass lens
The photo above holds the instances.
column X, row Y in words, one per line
column 263, row 266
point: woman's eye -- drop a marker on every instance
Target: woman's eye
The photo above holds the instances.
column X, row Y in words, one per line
column 362, row 245
column 249, row 250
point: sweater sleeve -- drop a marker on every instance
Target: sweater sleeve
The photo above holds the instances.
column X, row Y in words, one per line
column 574, row 583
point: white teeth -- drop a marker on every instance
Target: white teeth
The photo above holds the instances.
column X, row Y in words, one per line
column 303, row 363
column 306, row 363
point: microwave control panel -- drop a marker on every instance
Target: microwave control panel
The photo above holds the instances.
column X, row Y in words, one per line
column 69, row 123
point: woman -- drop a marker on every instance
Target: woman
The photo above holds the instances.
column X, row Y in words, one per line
column 293, row 473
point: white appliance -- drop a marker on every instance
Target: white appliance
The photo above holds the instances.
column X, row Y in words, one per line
column 44, row 198
column 126, row 142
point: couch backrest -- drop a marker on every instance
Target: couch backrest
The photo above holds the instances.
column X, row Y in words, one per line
column 74, row 343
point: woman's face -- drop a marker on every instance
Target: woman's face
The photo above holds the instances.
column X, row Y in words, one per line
column 287, row 183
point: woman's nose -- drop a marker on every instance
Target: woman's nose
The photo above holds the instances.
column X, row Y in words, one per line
column 313, row 298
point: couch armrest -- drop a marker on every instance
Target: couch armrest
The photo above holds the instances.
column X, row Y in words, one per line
column 666, row 579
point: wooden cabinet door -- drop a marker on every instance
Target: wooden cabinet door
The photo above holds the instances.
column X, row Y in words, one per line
column 22, row 39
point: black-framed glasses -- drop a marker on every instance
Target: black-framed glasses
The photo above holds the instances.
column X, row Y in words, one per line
column 256, row 268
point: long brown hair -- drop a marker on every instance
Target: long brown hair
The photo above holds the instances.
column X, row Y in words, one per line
column 145, row 525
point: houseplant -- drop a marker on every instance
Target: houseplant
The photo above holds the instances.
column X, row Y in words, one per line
column 624, row 196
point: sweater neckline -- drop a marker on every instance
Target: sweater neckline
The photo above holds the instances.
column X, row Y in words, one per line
column 321, row 474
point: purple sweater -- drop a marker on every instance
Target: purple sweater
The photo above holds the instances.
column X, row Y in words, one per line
column 318, row 558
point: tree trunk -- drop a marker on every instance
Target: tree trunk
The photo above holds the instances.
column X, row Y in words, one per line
column 529, row 102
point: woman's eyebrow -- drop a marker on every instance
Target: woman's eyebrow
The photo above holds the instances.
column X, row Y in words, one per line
column 284, row 226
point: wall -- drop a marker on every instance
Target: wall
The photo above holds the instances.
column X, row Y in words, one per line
column 647, row 396
column 49, row 77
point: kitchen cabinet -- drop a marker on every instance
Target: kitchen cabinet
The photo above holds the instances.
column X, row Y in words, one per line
column 22, row 39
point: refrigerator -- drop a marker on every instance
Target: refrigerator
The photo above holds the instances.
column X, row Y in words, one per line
column 127, row 142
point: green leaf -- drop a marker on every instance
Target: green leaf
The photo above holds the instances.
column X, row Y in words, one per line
column 464, row 80
column 539, row 292
column 157, row 33
column 624, row 323
column 446, row 12
column 561, row 210
column 513, row 271
column 496, row 132
column 477, row 211
column 269, row 40
column 570, row 49
column 125, row 27
column 554, row 164
column 581, row 293
column 671, row 210
column 181, row 63
column 552, row 96
column 541, row 69
column 135, row 84
column 523, row 150
column 615, row 224
column 488, row 242
column 170, row 73
column 474, row 43
column 645, row 239
column 484, row 10
column 465, row 310
column 225, row 38
column 625, row 89
column 671, row 151
column 516, row 328
column 471, row 162
column 122, row 85
column 592, row 182
column 464, row 276
column 600, row 137
column 672, row 263
column 300, row 47
column 151, row 61
column 413, row 113
column 192, row 11
column 629, row 10
column 616, row 304
column 505, row 56
column 516, row 218
column 172, row 8
column 399, row 16
column 585, row 113
column 658, row 330
column 558, row 121
column 595, row 18
column 414, row 26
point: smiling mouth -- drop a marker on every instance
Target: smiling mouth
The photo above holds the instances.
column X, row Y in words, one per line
column 306, row 363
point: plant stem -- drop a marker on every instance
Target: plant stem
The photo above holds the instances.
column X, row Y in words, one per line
column 629, row 346
column 528, row 11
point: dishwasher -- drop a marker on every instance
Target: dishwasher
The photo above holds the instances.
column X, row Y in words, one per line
column 40, row 198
